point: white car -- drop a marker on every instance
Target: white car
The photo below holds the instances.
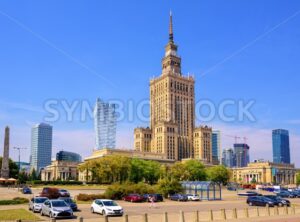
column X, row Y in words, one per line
column 193, row 197
column 56, row 209
column 35, row 204
column 106, row 207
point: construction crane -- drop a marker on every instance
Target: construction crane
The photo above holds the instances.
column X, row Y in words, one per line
column 20, row 148
column 234, row 136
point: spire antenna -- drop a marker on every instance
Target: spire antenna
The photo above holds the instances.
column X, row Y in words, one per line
column 171, row 28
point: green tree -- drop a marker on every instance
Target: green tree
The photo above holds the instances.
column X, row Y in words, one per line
column 298, row 179
column 195, row 170
column 219, row 174
column 22, row 177
column 168, row 186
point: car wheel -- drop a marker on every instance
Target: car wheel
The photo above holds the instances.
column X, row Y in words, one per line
column 92, row 210
column 250, row 204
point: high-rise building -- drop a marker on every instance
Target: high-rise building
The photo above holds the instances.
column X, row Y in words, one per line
column 68, row 156
column 172, row 114
column 41, row 146
column 241, row 154
column 216, row 147
column 281, row 146
column 228, row 158
column 5, row 159
column 203, row 144
column 105, row 125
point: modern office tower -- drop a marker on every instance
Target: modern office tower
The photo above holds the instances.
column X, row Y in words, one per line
column 228, row 158
column 5, row 159
column 172, row 114
column 241, row 154
column 281, row 146
column 105, row 125
column 41, row 146
column 216, row 147
column 203, row 144
column 68, row 156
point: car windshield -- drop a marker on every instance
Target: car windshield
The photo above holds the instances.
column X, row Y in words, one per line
column 40, row 200
column 68, row 200
column 110, row 203
column 59, row 203
column 63, row 191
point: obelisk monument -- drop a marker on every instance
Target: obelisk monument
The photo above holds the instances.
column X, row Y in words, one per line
column 5, row 159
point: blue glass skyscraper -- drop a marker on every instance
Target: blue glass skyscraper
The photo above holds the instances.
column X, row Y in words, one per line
column 281, row 146
column 41, row 146
column 105, row 125
column 216, row 146
column 241, row 154
column 228, row 158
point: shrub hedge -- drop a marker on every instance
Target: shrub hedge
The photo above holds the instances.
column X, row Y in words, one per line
column 89, row 197
column 16, row 200
column 57, row 182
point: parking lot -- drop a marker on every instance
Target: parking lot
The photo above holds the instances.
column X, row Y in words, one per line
column 136, row 210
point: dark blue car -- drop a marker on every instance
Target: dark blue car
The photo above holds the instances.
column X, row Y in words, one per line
column 26, row 190
column 70, row 202
column 179, row 197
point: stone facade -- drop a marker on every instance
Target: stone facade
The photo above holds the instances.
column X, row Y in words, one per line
column 172, row 111
column 60, row 170
column 265, row 172
column 203, row 144
column 5, row 159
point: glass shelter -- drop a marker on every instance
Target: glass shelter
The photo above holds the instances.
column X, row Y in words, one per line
column 206, row 190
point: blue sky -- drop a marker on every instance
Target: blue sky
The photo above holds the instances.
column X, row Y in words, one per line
column 81, row 50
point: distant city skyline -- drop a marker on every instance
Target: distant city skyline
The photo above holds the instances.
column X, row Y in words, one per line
column 97, row 53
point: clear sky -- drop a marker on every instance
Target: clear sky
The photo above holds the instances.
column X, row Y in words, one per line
column 80, row 50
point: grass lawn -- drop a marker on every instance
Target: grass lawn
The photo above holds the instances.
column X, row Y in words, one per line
column 17, row 214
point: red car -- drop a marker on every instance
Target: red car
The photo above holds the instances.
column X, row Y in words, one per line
column 134, row 198
column 50, row 193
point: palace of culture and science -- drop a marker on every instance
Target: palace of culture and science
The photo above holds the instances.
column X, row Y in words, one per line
column 172, row 131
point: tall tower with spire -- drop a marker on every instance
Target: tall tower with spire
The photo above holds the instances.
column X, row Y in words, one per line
column 171, row 109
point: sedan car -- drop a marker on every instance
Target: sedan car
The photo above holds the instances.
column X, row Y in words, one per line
column 56, row 209
column 26, row 190
column 35, row 204
column 193, row 197
column 286, row 194
column 157, row 197
column 63, row 193
column 281, row 201
column 260, row 201
column 133, row 198
column 179, row 197
column 70, row 202
column 106, row 207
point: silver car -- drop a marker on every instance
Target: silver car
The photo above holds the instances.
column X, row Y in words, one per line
column 56, row 209
column 35, row 204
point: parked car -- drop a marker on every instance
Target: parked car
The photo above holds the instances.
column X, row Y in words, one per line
column 193, row 197
column 63, row 193
column 157, row 197
column 134, row 198
column 260, row 201
column 70, row 202
column 231, row 188
column 106, row 207
column 26, row 190
column 35, row 204
column 56, row 209
column 295, row 193
column 179, row 197
column 281, row 201
column 286, row 194
column 50, row 193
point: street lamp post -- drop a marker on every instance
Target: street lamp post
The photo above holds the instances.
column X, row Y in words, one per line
column 20, row 148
